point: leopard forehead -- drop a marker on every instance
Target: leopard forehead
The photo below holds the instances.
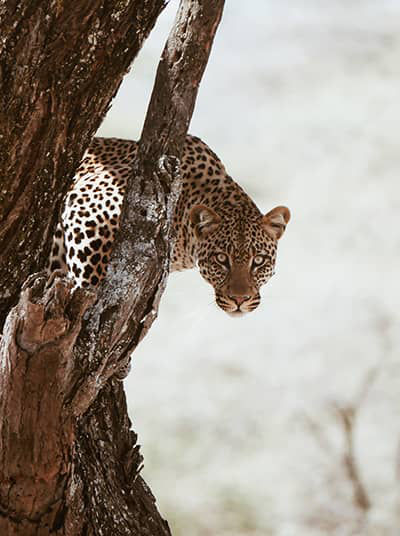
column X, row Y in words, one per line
column 241, row 240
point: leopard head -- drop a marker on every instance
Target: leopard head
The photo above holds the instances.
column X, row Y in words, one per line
column 236, row 253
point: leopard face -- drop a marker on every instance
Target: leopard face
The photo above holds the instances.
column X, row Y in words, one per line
column 236, row 253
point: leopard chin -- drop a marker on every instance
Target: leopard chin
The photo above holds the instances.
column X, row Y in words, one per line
column 235, row 310
column 236, row 314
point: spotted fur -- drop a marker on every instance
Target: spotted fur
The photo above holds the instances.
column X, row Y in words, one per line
column 218, row 227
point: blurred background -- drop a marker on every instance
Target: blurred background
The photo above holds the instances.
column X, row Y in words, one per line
column 287, row 421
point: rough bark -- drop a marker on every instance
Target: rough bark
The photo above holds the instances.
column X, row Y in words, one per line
column 69, row 463
column 61, row 62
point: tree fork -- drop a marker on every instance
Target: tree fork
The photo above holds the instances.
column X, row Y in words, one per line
column 69, row 463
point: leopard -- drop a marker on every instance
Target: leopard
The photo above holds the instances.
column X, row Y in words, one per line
column 217, row 226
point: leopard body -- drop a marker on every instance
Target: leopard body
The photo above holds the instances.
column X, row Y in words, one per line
column 217, row 225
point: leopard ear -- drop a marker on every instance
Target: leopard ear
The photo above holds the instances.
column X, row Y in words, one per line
column 205, row 220
column 275, row 221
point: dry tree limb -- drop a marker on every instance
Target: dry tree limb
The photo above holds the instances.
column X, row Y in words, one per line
column 347, row 415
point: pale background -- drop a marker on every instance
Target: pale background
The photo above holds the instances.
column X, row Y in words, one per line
column 235, row 416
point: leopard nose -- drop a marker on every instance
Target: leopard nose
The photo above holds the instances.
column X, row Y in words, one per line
column 239, row 299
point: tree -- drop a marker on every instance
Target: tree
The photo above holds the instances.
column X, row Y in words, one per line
column 69, row 463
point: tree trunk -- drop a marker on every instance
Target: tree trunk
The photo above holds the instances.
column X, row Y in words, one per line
column 69, row 463
column 61, row 62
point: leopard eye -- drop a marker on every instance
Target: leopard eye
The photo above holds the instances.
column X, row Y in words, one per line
column 258, row 261
column 221, row 258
